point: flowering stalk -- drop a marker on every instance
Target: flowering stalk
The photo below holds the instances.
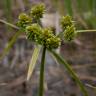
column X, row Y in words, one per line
column 41, row 81
column 46, row 38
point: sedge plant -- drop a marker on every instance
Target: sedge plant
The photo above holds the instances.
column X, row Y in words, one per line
column 46, row 39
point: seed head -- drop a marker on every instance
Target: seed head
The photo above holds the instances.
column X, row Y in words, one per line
column 24, row 20
column 69, row 34
column 34, row 32
column 53, row 42
column 50, row 40
column 65, row 22
column 37, row 11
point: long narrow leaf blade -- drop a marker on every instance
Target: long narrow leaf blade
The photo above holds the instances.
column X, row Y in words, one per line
column 10, row 44
column 89, row 30
column 33, row 62
column 8, row 12
column 71, row 72
column 9, row 24
column 8, row 9
column 79, row 6
column 68, row 5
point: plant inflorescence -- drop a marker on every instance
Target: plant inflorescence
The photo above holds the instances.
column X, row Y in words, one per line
column 45, row 36
column 47, row 39
column 68, row 28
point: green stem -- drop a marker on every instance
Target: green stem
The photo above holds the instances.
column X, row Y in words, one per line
column 80, row 31
column 71, row 71
column 41, row 82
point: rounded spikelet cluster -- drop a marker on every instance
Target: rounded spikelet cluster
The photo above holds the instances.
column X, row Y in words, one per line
column 34, row 32
column 24, row 20
column 50, row 40
column 42, row 36
column 65, row 21
column 45, row 36
column 37, row 11
column 70, row 33
column 53, row 42
column 68, row 28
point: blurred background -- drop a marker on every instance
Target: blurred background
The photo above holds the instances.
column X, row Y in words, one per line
column 81, row 53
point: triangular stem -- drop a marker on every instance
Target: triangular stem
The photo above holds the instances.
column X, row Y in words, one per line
column 41, row 82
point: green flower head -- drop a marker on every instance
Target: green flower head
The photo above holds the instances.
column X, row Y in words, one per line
column 45, row 36
column 24, row 20
column 42, row 36
column 37, row 11
column 34, row 32
column 53, row 42
column 47, row 33
column 69, row 34
column 49, row 39
column 65, row 21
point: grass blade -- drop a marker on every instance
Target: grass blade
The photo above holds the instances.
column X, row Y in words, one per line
column 91, row 86
column 9, row 24
column 8, row 12
column 79, row 6
column 90, row 5
column 10, row 44
column 89, row 30
column 71, row 72
column 94, row 7
column 33, row 62
column 68, row 5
